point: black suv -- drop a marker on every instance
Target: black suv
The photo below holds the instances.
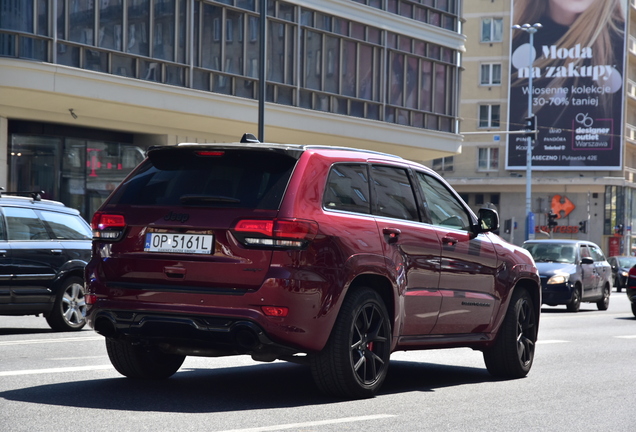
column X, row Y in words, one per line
column 44, row 247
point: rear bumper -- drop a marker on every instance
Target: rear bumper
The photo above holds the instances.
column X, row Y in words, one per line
column 188, row 334
column 228, row 321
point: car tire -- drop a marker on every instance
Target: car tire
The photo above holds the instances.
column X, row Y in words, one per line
column 69, row 309
column 136, row 361
column 603, row 303
column 575, row 304
column 634, row 309
column 354, row 362
column 512, row 354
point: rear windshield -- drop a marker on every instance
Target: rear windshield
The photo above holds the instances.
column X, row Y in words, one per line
column 213, row 178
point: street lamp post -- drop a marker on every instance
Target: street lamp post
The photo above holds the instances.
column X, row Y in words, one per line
column 531, row 30
column 262, row 60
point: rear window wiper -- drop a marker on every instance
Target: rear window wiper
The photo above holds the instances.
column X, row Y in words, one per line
column 191, row 199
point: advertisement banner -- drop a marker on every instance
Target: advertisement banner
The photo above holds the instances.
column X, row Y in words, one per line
column 577, row 64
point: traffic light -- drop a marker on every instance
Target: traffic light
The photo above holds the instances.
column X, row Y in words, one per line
column 551, row 220
column 531, row 127
column 507, row 226
column 583, row 226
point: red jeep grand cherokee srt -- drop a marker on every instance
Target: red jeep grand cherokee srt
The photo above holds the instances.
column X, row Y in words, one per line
column 330, row 256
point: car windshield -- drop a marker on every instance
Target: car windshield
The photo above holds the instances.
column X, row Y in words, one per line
column 552, row 253
column 627, row 262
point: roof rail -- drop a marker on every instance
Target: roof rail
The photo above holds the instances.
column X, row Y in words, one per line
column 361, row 150
column 35, row 195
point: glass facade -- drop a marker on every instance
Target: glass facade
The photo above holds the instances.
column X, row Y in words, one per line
column 315, row 60
column 72, row 165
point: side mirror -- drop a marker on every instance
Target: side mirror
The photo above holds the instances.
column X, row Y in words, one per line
column 587, row 260
column 488, row 220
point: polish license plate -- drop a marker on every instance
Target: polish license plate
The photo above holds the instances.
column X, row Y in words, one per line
column 179, row 243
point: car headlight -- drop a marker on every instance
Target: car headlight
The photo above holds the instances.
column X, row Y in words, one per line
column 624, row 273
column 558, row 279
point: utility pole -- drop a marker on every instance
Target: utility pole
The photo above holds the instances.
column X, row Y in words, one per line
column 531, row 30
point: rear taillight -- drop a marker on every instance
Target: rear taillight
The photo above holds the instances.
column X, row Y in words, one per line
column 275, row 311
column 107, row 226
column 277, row 233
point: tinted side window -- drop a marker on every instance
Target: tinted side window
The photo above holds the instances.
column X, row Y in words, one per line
column 440, row 205
column 347, row 188
column 24, row 224
column 66, row 227
column 394, row 196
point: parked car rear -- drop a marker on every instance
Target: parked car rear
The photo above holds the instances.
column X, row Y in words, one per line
column 326, row 256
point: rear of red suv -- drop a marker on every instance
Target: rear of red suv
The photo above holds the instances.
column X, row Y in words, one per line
column 278, row 252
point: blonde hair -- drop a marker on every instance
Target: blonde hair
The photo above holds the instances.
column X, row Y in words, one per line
column 605, row 17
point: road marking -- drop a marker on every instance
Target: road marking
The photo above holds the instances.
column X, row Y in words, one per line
column 312, row 424
column 626, row 337
column 39, row 341
column 553, row 341
column 77, row 358
column 55, row 370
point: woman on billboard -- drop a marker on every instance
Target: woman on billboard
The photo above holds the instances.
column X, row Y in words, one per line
column 577, row 63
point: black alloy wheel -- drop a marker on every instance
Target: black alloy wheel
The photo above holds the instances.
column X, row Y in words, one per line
column 355, row 361
column 512, row 354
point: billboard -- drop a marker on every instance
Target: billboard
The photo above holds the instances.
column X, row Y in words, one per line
column 577, row 63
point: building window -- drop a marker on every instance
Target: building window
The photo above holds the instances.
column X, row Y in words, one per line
column 491, row 74
column 491, row 30
column 315, row 60
column 443, row 164
column 488, row 159
column 489, row 116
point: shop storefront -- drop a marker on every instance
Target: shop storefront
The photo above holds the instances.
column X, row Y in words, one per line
column 77, row 166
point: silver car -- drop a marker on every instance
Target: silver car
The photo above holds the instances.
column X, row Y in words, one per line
column 572, row 271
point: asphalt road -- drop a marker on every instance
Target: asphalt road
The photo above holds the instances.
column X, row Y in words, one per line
column 581, row 381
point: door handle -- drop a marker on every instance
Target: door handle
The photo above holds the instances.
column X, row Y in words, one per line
column 56, row 251
column 391, row 234
column 449, row 240
column 3, row 252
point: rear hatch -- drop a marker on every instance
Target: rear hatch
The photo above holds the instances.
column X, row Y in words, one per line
column 172, row 224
